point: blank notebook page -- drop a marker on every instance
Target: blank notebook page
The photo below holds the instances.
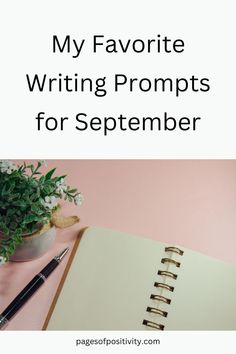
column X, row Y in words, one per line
column 109, row 283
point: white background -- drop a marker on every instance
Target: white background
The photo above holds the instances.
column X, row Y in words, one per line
column 172, row 342
column 207, row 28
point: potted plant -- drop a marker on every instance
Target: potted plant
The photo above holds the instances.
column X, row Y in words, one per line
column 28, row 203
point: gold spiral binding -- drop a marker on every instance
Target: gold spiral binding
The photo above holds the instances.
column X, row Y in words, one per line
column 160, row 298
column 174, row 249
column 169, row 260
column 153, row 325
column 164, row 286
column 157, row 311
column 167, row 274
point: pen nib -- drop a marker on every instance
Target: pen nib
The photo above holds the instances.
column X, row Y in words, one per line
column 61, row 255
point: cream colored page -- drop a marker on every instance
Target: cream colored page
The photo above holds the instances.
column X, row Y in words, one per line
column 109, row 283
column 205, row 295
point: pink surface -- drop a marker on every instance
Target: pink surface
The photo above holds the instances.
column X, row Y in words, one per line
column 188, row 203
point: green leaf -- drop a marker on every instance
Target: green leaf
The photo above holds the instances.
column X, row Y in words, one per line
column 49, row 174
column 30, row 218
column 19, row 203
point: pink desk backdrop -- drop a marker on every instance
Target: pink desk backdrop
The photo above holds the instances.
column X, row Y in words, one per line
column 188, row 203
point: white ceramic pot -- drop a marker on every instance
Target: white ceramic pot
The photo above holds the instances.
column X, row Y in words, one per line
column 34, row 245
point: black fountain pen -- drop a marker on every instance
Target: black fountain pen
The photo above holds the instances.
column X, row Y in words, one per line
column 30, row 289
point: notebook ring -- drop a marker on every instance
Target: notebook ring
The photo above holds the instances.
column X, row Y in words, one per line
column 167, row 274
column 157, row 311
column 169, row 260
column 174, row 249
column 160, row 298
column 164, row 286
column 154, row 325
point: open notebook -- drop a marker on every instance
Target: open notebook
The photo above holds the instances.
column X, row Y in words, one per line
column 123, row 282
